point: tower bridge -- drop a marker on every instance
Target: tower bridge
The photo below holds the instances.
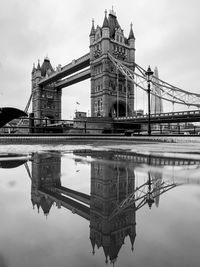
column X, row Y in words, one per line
column 115, row 78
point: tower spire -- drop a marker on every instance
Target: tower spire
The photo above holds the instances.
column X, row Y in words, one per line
column 34, row 69
column 105, row 22
column 131, row 34
column 38, row 65
column 92, row 32
column 112, row 12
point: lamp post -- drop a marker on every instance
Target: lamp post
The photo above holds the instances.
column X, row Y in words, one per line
column 149, row 199
column 149, row 74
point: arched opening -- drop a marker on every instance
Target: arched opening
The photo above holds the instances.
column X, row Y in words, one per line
column 121, row 110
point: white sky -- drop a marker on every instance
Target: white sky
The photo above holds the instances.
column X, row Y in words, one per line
column 167, row 36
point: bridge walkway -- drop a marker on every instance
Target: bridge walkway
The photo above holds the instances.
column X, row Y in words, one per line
column 74, row 194
column 68, row 203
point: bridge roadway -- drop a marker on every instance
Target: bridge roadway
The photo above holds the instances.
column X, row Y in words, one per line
column 137, row 158
column 157, row 160
column 75, row 66
column 78, row 77
column 170, row 117
column 70, row 204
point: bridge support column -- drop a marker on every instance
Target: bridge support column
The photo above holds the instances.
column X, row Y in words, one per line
column 31, row 123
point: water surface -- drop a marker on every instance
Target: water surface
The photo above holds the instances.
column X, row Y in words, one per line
column 99, row 205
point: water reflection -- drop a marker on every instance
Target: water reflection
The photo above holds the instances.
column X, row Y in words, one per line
column 118, row 190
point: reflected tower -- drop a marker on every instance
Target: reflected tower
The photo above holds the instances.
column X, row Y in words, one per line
column 45, row 174
column 110, row 185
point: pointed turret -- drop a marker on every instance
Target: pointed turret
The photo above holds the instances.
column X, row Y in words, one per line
column 131, row 34
column 38, row 65
column 105, row 22
column 46, row 205
column 131, row 42
column 34, row 68
column 46, row 67
column 93, row 243
column 92, row 32
column 38, row 70
column 113, row 23
column 132, row 236
column 105, row 34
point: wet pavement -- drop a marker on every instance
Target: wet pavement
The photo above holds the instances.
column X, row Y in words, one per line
column 100, row 205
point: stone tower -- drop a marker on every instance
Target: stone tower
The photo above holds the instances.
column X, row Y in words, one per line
column 110, row 185
column 46, row 171
column 111, row 94
column 46, row 101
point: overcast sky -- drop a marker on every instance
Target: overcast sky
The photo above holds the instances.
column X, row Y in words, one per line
column 167, row 36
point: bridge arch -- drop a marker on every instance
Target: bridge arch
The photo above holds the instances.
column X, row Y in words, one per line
column 118, row 109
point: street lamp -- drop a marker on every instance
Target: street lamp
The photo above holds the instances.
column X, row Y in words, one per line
column 150, row 198
column 149, row 74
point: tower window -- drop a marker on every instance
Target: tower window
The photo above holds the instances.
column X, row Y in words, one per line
column 49, row 95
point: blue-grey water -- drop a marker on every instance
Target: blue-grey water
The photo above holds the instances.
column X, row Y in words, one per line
column 86, row 205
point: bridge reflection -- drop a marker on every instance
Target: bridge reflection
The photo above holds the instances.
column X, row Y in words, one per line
column 116, row 192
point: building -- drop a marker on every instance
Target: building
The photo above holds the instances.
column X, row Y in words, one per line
column 156, row 101
column 46, row 101
column 110, row 185
column 80, row 114
column 112, row 95
column 46, row 173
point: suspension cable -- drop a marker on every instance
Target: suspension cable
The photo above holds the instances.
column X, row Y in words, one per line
column 166, row 90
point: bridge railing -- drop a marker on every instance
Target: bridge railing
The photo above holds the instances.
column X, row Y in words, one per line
column 92, row 126
column 166, row 114
column 76, row 61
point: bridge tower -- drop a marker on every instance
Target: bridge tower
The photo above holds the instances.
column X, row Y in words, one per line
column 110, row 186
column 46, row 171
column 46, row 101
column 111, row 94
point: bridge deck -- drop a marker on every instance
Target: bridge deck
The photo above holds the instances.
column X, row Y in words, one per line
column 74, row 66
column 78, row 77
column 68, row 203
column 170, row 117
column 74, row 194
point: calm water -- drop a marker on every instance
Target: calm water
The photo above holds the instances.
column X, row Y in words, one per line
column 99, row 206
